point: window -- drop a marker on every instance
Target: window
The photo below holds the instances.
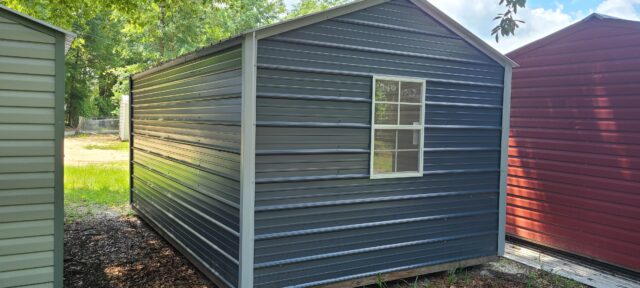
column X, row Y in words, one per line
column 397, row 130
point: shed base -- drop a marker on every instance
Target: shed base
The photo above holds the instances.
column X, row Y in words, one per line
column 411, row 273
column 186, row 253
column 349, row 283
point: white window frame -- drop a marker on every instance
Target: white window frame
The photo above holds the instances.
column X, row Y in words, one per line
column 375, row 126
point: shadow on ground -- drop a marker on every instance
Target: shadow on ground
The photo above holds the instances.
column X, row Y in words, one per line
column 123, row 252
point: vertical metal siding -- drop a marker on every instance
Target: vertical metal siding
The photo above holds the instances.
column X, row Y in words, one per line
column 27, row 155
column 573, row 167
column 319, row 218
column 186, row 157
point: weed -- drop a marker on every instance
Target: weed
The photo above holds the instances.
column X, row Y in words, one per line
column 531, row 278
column 380, row 282
column 466, row 278
column 452, row 277
column 415, row 283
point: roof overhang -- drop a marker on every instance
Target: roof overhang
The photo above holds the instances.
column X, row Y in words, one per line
column 467, row 35
column 571, row 29
column 306, row 20
column 424, row 5
column 69, row 36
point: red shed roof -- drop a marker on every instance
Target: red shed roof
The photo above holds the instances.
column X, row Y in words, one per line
column 573, row 28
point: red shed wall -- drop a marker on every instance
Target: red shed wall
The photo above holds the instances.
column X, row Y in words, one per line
column 574, row 149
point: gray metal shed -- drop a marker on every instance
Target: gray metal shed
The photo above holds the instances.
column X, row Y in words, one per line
column 260, row 159
column 31, row 138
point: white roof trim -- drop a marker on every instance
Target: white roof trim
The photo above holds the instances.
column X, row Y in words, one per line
column 467, row 35
column 69, row 36
column 427, row 7
column 306, row 20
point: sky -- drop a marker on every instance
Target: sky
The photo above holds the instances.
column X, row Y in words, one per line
column 542, row 17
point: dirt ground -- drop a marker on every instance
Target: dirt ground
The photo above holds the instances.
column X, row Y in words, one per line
column 76, row 152
column 123, row 252
column 114, row 248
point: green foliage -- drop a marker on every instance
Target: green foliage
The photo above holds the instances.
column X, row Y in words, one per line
column 508, row 25
column 117, row 38
column 310, row 6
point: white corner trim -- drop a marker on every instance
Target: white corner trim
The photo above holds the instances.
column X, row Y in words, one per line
column 504, row 159
column 247, row 160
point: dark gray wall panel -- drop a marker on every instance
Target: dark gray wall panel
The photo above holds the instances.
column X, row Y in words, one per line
column 186, row 145
column 319, row 218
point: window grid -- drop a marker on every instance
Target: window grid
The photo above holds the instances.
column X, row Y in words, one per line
column 416, row 127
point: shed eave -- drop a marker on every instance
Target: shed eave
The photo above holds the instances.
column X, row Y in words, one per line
column 68, row 35
column 464, row 33
column 567, row 31
column 305, row 20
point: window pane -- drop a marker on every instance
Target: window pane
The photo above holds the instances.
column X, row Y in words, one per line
column 387, row 90
column 411, row 92
column 409, row 114
column 386, row 114
column 385, row 140
column 383, row 162
column 408, row 139
column 408, row 161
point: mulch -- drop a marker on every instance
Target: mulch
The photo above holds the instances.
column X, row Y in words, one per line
column 123, row 252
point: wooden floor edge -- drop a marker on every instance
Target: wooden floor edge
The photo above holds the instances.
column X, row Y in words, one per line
column 410, row 273
column 566, row 267
column 192, row 260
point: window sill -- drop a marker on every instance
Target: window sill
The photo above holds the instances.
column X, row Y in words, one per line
column 396, row 175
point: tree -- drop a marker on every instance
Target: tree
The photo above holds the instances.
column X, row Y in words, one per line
column 119, row 37
column 310, row 6
column 508, row 25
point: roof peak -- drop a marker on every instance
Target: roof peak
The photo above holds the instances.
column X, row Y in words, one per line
column 304, row 20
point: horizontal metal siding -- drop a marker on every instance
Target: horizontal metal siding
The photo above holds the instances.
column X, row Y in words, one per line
column 319, row 218
column 186, row 160
column 27, row 77
column 573, row 168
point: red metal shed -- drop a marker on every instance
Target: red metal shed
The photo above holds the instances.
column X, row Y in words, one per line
column 574, row 149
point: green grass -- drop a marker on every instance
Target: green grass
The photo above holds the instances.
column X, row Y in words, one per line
column 119, row 146
column 91, row 189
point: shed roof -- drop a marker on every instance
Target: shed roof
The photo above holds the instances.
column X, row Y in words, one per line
column 302, row 21
column 69, row 36
column 561, row 34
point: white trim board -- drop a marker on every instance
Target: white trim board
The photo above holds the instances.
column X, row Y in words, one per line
column 248, row 160
column 357, row 5
column 504, row 159
column 567, row 268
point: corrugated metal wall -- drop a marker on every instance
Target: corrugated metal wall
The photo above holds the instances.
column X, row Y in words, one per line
column 27, row 155
column 318, row 216
column 574, row 178
column 186, row 127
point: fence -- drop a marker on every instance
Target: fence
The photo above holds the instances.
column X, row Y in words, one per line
column 98, row 125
